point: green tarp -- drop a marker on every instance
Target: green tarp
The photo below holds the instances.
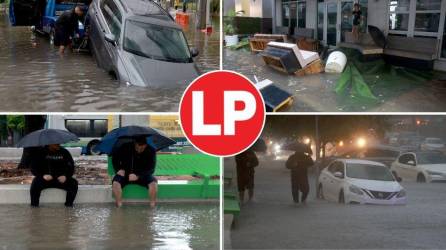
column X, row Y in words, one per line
column 369, row 82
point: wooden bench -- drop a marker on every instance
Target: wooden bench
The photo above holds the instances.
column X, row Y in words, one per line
column 304, row 38
column 365, row 44
column 419, row 48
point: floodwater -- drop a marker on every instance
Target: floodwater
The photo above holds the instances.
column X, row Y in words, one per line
column 315, row 93
column 33, row 77
column 102, row 226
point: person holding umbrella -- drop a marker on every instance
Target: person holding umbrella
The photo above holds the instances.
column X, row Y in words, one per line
column 134, row 162
column 298, row 163
column 133, row 152
column 53, row 166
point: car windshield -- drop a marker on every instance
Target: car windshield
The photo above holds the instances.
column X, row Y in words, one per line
column 156, row 42
column 433, row 141
column 369, row 172
column 431, row 158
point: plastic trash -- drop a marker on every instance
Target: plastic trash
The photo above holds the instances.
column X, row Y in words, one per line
column 336, row 62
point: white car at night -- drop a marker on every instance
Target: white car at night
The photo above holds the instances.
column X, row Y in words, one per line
column 360, row 182
column 423, row 166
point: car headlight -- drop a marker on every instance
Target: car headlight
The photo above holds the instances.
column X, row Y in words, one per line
column 401, row 194
column 434, row 173
column 356, row 190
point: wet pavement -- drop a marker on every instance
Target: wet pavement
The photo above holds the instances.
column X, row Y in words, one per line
column 102, row 226
column 315, row 93
column 272, row 221
column 34, row 78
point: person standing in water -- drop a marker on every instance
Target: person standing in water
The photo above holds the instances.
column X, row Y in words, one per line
column 66, row 26
column 245, row 163
column 298, row 163
column 357, row 17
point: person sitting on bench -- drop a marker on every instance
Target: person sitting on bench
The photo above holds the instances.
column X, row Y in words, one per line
column 53, row 167
column 134, row 163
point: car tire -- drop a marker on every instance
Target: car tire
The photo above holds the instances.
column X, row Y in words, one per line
column 421, row 178
column 341, row 197
column 320, row 194
column 91, row 146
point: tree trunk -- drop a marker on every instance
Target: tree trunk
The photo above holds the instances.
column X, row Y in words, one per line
column 201, row 15
column 32, row 123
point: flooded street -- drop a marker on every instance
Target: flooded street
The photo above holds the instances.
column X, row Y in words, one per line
column 316, row 92
column 34, row 78
column 102, row 226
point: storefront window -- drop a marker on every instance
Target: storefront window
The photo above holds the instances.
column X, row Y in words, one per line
column 422, row 15
column 427, row 22
column 399, row 22
column 301, row 14
column 320, row 20
column 428, row 5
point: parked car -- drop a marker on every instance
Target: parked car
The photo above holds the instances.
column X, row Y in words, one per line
column 422, row 166
column 380, row 153
column 360, row 182
column 432, row 143
column 42, row 15
column 140, row 44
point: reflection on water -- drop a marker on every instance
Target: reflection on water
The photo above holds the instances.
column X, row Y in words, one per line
column 102, row 226
column 33, row 77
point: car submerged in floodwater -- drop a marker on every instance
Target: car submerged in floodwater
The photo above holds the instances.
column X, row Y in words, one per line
column 140, row 44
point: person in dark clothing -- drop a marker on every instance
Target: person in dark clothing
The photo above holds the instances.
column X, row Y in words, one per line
column 245, row 163
column 66, row 26
column 298, row 163
column 135, row 163
column 357, row 16
column 53, row 168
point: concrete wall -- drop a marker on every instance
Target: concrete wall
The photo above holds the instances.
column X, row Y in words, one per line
column 256, row 8
column 377, row 14
column 228, row 5
column 267, row 11
column 311, row 15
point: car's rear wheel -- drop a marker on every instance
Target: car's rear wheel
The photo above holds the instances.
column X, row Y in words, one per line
column 341, row 197
column 91, row 147
column 421, row 178
column 320, row 193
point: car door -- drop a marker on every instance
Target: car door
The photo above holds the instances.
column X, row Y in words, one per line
column 96, row 33
column 338, row 183
column 331, row 190
column 113, row 19
column 325, row 180
column 405, row 166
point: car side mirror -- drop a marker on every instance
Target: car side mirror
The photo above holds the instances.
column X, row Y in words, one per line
column 339, row 175
column 399, row 179
column 194, row 52
column 411, row 163
column 110, row 38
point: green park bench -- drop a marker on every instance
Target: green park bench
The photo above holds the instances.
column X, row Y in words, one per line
column 199, row 165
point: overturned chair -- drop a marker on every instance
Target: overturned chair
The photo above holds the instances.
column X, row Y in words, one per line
column 288, row 58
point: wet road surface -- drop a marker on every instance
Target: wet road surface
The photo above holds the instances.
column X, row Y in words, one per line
column 34, row 78
column 272, row 221
column 102, row 226
column 315, row 93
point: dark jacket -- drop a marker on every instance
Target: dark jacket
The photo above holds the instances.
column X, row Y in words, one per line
column 68, row 21
column 127, row 159
column 247, row 159
column 52, row 163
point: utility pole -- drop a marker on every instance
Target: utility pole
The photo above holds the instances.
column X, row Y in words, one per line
column 201, row 14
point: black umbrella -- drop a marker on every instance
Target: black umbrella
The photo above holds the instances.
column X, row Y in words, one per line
column 117, row 136
column 45, row 137
column 377, row 36
column 298, row 147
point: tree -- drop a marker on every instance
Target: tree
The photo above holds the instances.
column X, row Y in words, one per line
column 30, row 123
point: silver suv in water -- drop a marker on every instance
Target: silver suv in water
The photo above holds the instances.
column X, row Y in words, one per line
column 140, row 44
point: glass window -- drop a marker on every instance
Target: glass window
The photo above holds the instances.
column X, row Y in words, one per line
column 428, row 4
column 87, row 128
column 112, row 16
column 399, row 22
column 369, row 172
column 156, row 42
column 404, row 159
column 320, row 20
column 427, row 22
column 301, row 14
column 431, row 158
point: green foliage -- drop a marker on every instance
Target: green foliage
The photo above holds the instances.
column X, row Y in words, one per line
column 229, row 25
column 3, row 126
column 16, row 122
column 243, row 44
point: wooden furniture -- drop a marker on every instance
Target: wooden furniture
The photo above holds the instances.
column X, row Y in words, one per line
column 259, row 42
column 420, row 48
